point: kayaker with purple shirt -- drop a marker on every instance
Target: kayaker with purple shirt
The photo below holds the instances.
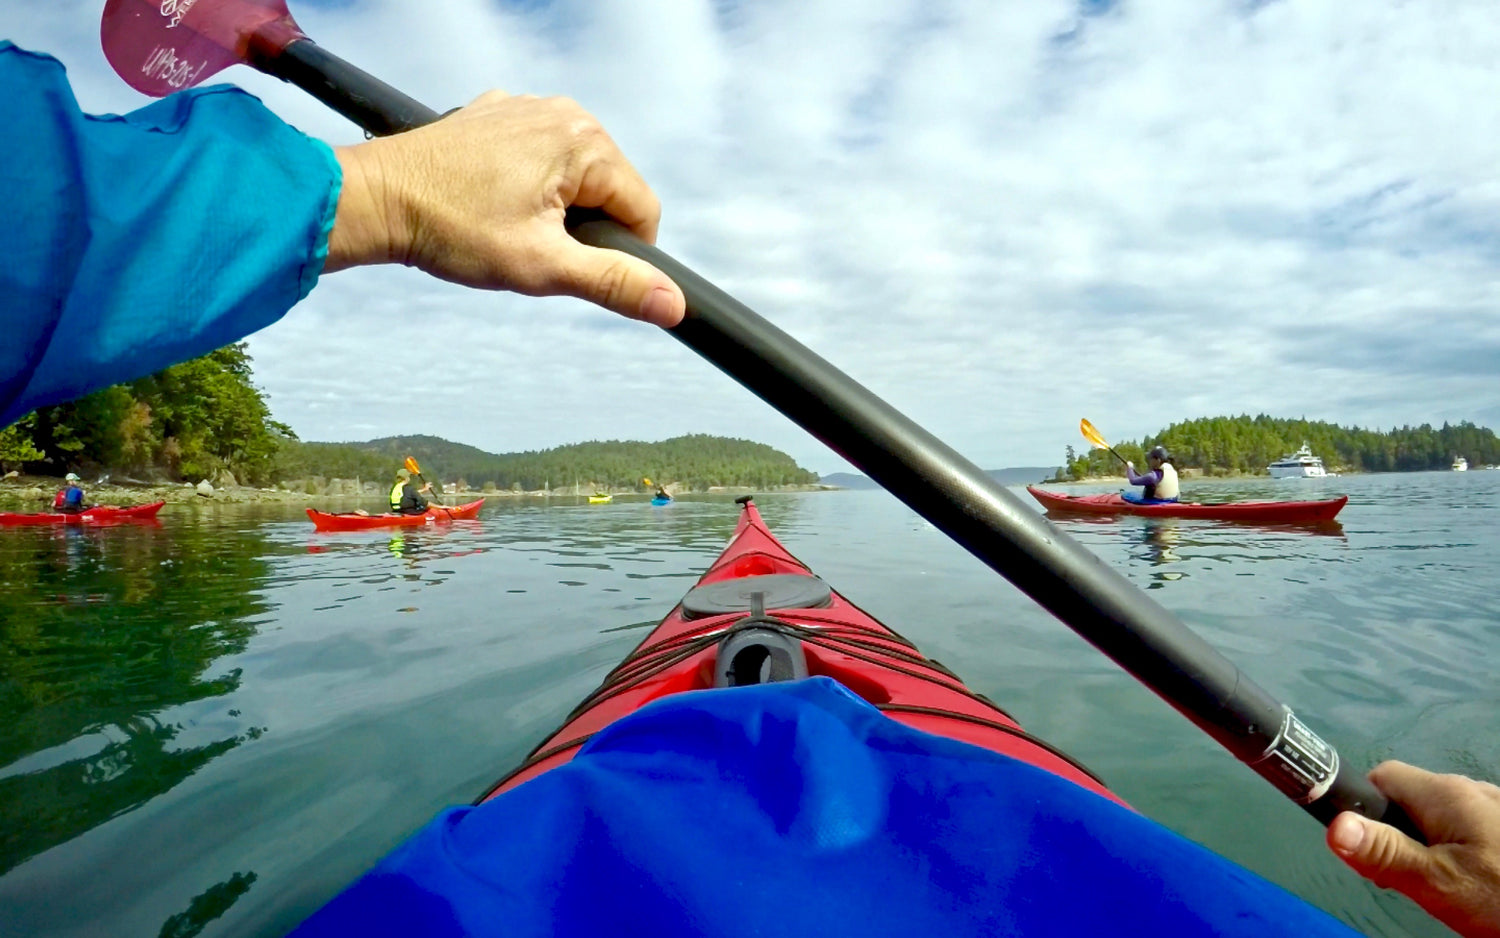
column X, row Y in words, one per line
column 1160, row 483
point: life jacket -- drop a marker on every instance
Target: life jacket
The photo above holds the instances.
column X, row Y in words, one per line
column 1167, row 488
column 395, row 497
column 59, row 499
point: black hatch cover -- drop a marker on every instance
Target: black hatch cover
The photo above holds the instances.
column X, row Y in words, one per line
column 781, row 590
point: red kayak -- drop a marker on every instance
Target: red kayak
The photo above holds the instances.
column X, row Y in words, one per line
column 99, row 514
column 1254, row 512
column 353, row 521
column 760, row 613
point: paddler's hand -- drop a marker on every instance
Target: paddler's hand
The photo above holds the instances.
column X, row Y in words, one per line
column 478, row 198
column 1457, row 878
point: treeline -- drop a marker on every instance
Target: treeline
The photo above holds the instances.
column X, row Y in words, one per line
column 206, row 419
column 696, row 461
column 199, row 419
column 1246, row 445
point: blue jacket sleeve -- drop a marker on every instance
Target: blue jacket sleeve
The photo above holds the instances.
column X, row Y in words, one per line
column 134, row 242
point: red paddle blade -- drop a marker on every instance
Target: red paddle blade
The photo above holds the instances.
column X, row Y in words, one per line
column 162, row 46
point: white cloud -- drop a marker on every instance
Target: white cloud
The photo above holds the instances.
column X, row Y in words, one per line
column 1000, row 216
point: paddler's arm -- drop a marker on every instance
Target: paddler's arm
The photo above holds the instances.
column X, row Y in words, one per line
column 134, row 242
column 1149, row 478
column 140, row 241
column 1456, row 877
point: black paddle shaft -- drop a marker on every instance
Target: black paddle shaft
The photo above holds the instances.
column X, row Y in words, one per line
column 946, row 489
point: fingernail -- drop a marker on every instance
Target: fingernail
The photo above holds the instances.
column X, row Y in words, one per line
column 1348, row 835
column 659, row 306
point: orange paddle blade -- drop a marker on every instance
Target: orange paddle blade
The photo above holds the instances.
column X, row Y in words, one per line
column 412, row 467
column 1092, row 435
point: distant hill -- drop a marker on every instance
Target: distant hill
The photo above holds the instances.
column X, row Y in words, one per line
column 1017, row 475
column 699, row 461
column 1022, row 475
column 423, row 448
column 849, row 480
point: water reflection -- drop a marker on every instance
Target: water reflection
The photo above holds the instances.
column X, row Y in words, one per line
column 1158, row 551
column 101, row 631
column 207, row 906
column 1159, row 538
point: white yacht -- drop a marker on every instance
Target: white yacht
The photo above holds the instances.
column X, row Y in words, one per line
column 1460, row 464
column 1299, row 465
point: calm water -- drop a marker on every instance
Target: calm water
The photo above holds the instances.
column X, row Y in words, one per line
column 218, row 722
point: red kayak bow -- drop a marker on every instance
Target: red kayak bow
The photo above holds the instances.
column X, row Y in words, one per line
column 759, row 611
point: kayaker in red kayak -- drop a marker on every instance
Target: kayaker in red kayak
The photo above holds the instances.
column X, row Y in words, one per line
column 406, row 498
column 272, row 226
column 1160, row 481
column 69, row 498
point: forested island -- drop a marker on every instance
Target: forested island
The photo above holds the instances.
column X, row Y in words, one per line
column 206, row 419
column 1245, row 445
column 695, row 462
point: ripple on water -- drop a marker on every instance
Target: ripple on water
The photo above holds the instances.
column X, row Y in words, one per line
column 1353, row 686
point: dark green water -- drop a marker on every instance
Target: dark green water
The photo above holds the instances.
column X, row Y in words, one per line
column 210, row 726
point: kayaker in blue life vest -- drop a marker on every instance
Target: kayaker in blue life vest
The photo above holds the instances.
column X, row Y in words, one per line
column 406, row 498
column 478, row 198
column 69, row 498
column 1160, row 481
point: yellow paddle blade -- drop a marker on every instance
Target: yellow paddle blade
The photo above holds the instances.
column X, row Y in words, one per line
column 645, row 481
column 1092, row 435
column 412, row 467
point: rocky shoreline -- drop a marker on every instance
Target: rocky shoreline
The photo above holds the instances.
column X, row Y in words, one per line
column 34, row 493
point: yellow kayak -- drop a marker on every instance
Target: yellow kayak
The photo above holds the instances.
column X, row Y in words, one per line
column 600, row 499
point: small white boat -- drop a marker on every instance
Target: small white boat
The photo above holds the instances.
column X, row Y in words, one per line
column 1299, row 465
column 1460, row 464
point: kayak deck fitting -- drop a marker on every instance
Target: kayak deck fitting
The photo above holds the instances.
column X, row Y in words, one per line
column 99, row 514
column 353, row 521
column 760, row 614
column 1311, row 512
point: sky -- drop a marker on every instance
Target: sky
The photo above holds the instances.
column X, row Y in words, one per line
column 999, row 216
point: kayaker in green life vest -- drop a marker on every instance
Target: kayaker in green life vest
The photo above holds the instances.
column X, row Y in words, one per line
column 406, row 498
column 1160, row 483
